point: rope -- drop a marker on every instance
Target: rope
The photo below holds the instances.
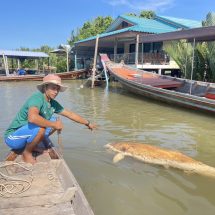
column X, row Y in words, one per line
column 60, row 143
column 11, row 186
column 59, row 140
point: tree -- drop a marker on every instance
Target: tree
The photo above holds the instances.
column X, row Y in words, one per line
column 148, row 14
column 210, row 52
column 131, row 14
column 204, row 61
column 90, row 28
column 181, row 53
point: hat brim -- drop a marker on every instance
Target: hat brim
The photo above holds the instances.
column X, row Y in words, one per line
column 40, row 86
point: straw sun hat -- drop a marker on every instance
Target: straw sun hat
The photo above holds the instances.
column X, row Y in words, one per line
column 51, row 79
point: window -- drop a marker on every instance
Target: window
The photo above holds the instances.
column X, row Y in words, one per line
column 146, row 47
column 157, row 47
column 132, row 48
column 124, row 24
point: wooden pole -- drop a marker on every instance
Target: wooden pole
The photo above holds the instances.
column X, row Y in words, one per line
column 137, row 50
column 191, row 78
column 76, row 62
column 5, row 64
column 18, row 64
column 115, row 49
column 67, row 59
column 94, row 61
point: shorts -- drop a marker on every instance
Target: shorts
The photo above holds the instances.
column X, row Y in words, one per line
column 24, row 135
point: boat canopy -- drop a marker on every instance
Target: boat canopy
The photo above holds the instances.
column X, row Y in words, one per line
column 23, row 54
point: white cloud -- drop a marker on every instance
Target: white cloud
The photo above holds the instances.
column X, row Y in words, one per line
column 155, row 5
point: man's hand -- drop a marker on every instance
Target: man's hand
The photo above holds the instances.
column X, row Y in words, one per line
column 58, row 125
column 91, row 126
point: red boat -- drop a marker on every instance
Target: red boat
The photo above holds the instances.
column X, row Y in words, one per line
column 180, row 92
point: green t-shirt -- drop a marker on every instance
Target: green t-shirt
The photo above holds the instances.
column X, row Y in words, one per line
column 45, row 108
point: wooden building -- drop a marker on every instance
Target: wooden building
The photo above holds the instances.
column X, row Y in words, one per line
column 124, row 40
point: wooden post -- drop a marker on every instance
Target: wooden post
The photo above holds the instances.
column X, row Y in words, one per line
column 137, row 50
column 49, row 65
column 18, row 64
column 76, row 68
column 67, row 59
column 142, row 54
column 94, row 61
column 115, row 49
column 5, row 64
column 191, row 78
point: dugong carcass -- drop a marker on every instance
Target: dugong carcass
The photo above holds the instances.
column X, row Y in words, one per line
column 164, row 157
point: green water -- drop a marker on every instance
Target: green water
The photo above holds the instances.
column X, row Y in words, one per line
column 129, row 187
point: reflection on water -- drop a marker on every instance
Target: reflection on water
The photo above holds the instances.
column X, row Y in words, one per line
column 129, row 187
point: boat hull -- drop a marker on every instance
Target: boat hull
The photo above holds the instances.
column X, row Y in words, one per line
column 170, row 97
column 53, row 188
column 64, row 76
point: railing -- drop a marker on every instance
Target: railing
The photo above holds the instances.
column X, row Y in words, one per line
column 143, row 58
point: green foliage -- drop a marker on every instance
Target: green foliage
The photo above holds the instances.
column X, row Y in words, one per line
column 148, row 14
column 58, row 63
column 210, row 51
column 181, row 53
column 61, row 64
column 204, row 59
column 90, row 28
column 131, row 14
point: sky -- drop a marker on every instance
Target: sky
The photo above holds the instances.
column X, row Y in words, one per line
column 33, row 23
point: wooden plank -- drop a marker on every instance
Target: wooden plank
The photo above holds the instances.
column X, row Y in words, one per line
column 39, row 200
column 61, row 209
column 53, row 184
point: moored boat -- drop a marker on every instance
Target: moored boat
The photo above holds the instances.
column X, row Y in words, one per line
column 64, row 75
column 48, row 187
column 177, row 91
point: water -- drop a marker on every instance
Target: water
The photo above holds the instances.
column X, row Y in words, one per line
column 129, row 187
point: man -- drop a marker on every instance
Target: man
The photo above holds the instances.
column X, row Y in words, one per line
column 34, row 122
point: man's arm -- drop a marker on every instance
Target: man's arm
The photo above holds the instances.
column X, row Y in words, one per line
column 75, row 117
column 34, row 117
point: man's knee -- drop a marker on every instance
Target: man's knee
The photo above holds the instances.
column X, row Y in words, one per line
column 41, row 132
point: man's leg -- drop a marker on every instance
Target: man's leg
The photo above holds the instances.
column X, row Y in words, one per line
column 27, row 153
column 25, row 139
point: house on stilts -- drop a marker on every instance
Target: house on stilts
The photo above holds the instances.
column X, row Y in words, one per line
column 123, row 40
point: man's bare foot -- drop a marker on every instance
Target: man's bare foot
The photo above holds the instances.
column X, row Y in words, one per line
column 28, row 158
column 41, row 150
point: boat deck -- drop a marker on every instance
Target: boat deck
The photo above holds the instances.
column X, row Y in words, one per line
column 47, row 188
column 147, row 78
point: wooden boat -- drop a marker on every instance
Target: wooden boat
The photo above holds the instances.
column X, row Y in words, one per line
column 72, row 74
column 182, row 92
column 48, row 187
column 64, row 75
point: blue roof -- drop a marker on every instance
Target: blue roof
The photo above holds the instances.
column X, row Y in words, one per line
column 183, row 23
column 159, row 24
column 24, row 54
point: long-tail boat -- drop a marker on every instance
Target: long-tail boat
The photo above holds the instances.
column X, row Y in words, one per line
column 47, row 187
column 64, row 75
column 177, row 91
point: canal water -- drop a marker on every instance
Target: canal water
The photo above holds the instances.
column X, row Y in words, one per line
column 129, row 187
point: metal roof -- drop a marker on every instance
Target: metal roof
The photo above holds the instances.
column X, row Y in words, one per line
column 23, row 54
column 179, row 22
column 141, row 22
column 200, row 35
column 158, row 25
column 135, row 28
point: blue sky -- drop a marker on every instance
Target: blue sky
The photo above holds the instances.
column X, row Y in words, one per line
column 33, row 23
